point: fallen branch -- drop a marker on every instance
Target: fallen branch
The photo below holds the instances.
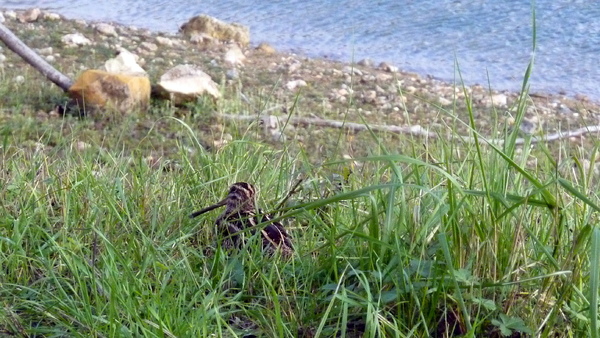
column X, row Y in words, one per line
column 355, row 127
column 415, row 130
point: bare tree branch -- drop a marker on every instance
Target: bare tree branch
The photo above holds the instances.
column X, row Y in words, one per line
column 16, row 45
column 415, row 130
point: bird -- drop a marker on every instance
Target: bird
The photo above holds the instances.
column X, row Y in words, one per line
column 241, row 213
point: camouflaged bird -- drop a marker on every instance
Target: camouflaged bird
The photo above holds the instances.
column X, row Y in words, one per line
column 241, row 214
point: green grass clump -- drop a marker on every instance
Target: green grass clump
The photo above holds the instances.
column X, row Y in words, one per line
column 441, row 239
column 394, row 235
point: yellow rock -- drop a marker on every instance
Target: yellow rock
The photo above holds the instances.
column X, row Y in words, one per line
column 96, row 89
column 215, row 28
column 265, row 48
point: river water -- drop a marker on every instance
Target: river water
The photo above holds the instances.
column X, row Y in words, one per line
column 488, row 41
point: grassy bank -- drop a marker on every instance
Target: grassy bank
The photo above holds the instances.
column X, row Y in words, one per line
column 395, row 235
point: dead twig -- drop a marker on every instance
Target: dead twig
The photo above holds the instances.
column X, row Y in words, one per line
column 289, row 194
column 415, row 130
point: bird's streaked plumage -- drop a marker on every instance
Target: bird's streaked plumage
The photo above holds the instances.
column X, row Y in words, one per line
column 241, row 213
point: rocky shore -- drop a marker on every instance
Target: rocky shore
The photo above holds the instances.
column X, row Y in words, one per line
column 280, row 83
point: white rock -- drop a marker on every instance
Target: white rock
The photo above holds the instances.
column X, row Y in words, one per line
column 164, row 41
column 232, row 74
column 370, row 96
column 106, row 29
column 388, row 67
column 294, row 67
column 234, row 56
column 410, row 89
column 382, row 77
column 271, row 128
column 343, row 92
column 124, row 63
column 2, row 58
column 29, row 15
column 500, row 99
column 19, row 79
column 351, row 71
column 50, row 16
column 368, row 78
column 45, row 51
column 10, row 14
column 226, row 138
column 295, row 84
column 444, row 101
column 184, row 83
column 2, row 19
column 201, row 39
column 50, row 58
column 277, row 136
column 80, row 145
column 563, row 109
column 37, row 146
column 149, row 46
column 334, row 72
column 270, row 122
column 76, row 39
column 365, row 62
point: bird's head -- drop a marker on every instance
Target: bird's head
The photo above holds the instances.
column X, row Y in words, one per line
column 240, row 198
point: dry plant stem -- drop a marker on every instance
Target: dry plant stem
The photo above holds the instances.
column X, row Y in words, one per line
column 415, row 130
column 290, row 193
column 16, row 45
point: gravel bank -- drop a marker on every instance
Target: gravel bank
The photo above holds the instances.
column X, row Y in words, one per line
column 281, row 82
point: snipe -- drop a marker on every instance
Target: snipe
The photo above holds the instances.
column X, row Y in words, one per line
column 241, row 213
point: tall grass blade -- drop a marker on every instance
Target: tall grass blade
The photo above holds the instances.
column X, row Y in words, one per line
column 594, row 282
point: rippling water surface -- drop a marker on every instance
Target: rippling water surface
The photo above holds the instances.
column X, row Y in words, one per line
column 490, row 40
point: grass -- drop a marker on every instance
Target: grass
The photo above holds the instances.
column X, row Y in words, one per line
column 441, row 239
column 395, row 236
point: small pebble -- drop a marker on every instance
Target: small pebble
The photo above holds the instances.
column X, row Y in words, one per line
column 365, row 62
column 232, row 74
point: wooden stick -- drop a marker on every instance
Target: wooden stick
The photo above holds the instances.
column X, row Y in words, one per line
column 415, row 130
column 289, row 194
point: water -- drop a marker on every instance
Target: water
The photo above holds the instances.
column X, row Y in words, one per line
column 491, row 41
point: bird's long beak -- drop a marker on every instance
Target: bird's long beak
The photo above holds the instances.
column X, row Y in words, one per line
column 207, row 209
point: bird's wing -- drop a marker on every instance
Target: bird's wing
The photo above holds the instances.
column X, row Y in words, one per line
column 275, row 233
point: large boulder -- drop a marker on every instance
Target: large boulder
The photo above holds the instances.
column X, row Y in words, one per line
column 97, row 89
column 184, row 83
column 29, row 15
column 204, row 25
column 124, row 86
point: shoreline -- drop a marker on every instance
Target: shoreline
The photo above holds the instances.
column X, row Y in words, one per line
column 381, row 93
column 504, row 65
